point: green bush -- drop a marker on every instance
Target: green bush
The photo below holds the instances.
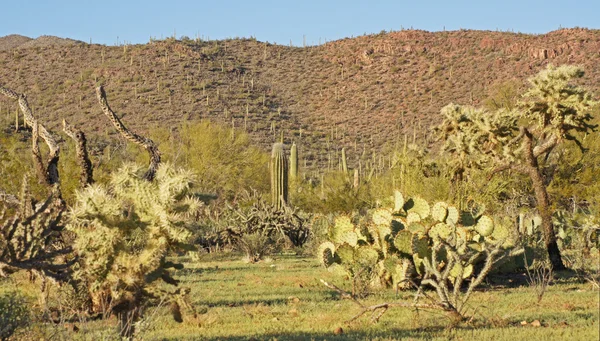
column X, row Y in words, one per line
column 14, row 314
column 226, row 163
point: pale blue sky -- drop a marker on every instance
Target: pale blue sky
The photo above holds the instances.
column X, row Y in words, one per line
column 110, row 21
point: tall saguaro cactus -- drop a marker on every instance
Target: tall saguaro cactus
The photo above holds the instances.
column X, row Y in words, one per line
column 279, row 176
column 344, row 162
column 294, row 161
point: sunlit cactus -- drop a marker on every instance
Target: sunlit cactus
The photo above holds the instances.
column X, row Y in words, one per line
column 279, row 176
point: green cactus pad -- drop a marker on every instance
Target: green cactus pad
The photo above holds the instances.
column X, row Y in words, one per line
column 439, row 211
column 384, row 231
column 343, row 224
column 416, row 228
column 419, row 264
column 412, row 217
column 326, row 254
column 367, row 256
column 403, row 242
column 397, row 226
column 485, row 226
column 345, row 253
column 452, row 216
column 349, row 238
column 440, row 230
column 382, row 216
column 479, row 247
column 420, row 207
column 402, row 274
column 420, row 246
column 390, row 263
column 398, row 201
column 467, row 271
column 467, row 219
column 502, row 232
column 338, row 270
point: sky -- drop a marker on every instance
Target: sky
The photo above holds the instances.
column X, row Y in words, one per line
column 113, row 22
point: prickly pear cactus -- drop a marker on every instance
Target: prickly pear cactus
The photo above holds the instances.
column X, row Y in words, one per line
column 403, row 243
column 396, row 243
column 418, row 206
column 453, row 215
column 439, row 212
column 327, row 254
column 485, row 226
column 398, row 201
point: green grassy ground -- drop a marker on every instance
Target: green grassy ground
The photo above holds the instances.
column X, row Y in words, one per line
column 282, row 299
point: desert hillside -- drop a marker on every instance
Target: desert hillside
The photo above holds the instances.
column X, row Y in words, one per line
column 360, row 92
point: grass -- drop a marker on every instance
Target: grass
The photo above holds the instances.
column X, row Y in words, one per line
column 282, row 299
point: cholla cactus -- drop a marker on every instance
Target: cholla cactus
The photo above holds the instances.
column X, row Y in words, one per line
column 31, row 239
column 125, row 231
column 552, row 111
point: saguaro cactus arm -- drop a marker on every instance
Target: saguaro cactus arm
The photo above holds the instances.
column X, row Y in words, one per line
column 144, row 142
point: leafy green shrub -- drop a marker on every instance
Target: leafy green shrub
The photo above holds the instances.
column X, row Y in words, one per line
column 226, row 164
column 14, row 314
column 333, row 193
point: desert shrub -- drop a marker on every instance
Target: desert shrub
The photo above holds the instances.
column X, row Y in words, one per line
column 226, row 164
column 12, row 148
column 14, row 314
column 334, row 192
column 257, row 228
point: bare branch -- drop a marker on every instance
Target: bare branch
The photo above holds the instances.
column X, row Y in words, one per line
column 51, row 171
column 373, row 308
column 35, row 152
column 83, row 159
column 144, row 142
column 344, row 294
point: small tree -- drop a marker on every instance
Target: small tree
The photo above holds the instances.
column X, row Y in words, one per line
column 522, row 139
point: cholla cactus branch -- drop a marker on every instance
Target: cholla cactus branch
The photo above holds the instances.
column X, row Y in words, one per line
column 30, row 240
column 144, row 142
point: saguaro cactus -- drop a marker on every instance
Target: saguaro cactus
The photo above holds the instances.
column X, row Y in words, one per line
column 294, row 162
column 344, row 162
column 279, row 176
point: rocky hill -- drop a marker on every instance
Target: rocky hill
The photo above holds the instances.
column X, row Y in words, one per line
column 361, row 93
